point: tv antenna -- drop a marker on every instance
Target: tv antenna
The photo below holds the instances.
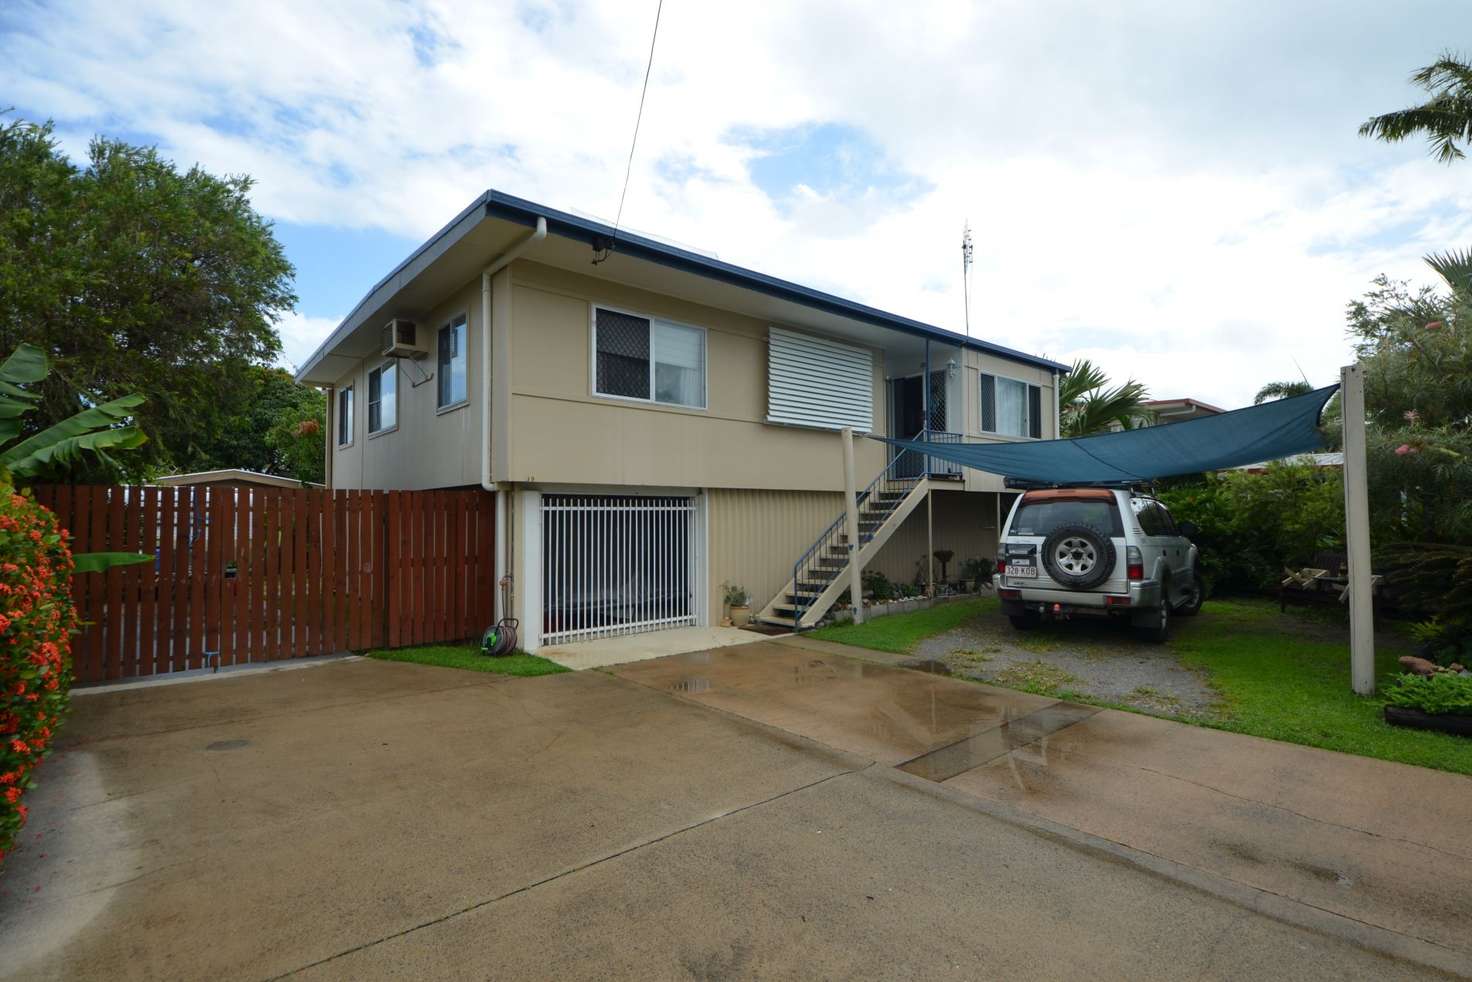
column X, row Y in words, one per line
column 966, row 250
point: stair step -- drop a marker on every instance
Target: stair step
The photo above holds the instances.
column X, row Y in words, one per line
column 778, row 621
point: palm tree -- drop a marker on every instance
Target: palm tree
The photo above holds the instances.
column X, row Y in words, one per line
column 1086, row 403
column 1444, row 119
column 1281, row 390
column 1455, row 267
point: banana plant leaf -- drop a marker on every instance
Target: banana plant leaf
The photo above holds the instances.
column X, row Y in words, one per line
column 92, row 430
column 25, row 365
column 99, row 562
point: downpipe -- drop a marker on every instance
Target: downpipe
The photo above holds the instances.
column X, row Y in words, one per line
column 502, row 578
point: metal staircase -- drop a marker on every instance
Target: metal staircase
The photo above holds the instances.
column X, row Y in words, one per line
column 820, row 575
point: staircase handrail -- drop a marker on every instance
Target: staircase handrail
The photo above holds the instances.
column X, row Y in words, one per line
column 799, row 606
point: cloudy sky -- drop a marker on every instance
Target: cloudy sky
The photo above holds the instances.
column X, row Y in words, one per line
column 1174, row 188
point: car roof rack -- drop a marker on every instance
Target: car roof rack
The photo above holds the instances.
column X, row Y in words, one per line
column 1022, row 484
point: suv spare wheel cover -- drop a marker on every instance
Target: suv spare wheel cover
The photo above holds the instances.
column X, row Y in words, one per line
column 1078, row 556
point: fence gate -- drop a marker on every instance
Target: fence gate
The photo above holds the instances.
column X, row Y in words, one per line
column 616, row 564
column 258, row 574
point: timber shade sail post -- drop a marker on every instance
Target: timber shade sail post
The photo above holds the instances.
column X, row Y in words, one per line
column 243, row 575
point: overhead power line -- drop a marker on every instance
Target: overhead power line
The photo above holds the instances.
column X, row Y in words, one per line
column 638, row 118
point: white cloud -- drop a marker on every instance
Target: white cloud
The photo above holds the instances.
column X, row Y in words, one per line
column 1177, row 191
column 300, row 336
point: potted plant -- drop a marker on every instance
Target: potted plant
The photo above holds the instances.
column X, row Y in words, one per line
column 738, row 603
column 944, row 557
column 977, row 572
column 877, row 586
column 1441, row 701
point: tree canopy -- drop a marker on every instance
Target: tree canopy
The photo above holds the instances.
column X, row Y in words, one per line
column 1415, row 344
column 268, row 432
column 133, row 276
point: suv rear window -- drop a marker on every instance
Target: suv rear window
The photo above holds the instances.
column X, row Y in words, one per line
column 1042, row 517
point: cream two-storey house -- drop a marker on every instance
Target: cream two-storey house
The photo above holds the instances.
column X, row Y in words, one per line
column 656, row 423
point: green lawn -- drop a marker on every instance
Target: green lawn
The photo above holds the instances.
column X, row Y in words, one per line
column 1293, row 684
column 469, row 657
column 1281, row 676
column 899, row 632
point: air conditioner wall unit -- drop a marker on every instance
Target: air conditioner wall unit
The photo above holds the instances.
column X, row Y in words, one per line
column 401, row 340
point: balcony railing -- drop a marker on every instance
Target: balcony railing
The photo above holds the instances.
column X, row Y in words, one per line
column 910, row 465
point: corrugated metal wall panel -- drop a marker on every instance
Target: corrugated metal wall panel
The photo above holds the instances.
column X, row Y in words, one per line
column 756, row 536
column 965, row 523
column 813, row 381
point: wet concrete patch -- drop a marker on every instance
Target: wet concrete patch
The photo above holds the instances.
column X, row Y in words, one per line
column 1330, row 830
column 886, row 713
column 932, row 665
column 227, row 745
column 988, row 745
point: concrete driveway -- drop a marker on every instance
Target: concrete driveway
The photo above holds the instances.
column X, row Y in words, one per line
column 721, row 815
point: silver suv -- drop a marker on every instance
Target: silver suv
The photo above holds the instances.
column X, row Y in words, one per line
column 1096, row 551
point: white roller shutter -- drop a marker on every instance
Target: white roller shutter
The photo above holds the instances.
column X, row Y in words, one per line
column 813, row 381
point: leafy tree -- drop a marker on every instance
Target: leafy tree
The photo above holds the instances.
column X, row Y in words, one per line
column 1281, row 390
column 265, row 432
column 1416, row 348
column 297, row 441
column 1443, row 119
column 1087, row 404
column 135, row 277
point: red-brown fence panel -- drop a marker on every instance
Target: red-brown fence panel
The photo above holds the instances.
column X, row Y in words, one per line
column 252, row 574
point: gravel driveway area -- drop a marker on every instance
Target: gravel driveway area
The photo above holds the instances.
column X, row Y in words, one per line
column 1094, row 658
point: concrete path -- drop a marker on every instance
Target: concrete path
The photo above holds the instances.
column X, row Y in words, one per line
column 370, row 819
column 1372, row 842
column 626, row 648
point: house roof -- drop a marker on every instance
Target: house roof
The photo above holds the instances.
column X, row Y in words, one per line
column 494, row 208
column 236, row 474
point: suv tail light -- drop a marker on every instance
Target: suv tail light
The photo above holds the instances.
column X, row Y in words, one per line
column 1134, row 563
column 1001, row 564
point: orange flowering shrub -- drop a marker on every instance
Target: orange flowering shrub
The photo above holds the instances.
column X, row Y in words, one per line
column 36, row 625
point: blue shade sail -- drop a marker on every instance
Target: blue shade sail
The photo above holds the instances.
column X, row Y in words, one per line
column 1243, row 436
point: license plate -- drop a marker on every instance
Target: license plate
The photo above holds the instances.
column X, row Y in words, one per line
column 1016, row 569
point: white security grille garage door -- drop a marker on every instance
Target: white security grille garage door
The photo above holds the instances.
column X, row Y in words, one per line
column 616, row 564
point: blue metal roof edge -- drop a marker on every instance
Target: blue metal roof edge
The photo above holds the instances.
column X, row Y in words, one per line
column 524, row 212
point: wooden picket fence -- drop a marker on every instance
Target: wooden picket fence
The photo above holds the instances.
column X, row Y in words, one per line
column 255, row 574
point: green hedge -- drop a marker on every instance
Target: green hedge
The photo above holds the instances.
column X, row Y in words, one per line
column 1253, row 525
column 36, row 624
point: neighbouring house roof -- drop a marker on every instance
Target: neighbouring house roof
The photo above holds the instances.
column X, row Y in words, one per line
column 1331, row 459
column 232, row 475
column 1164, row 406
column 492, row 222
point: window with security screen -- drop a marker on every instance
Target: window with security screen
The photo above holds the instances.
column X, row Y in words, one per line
column 644, row 358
